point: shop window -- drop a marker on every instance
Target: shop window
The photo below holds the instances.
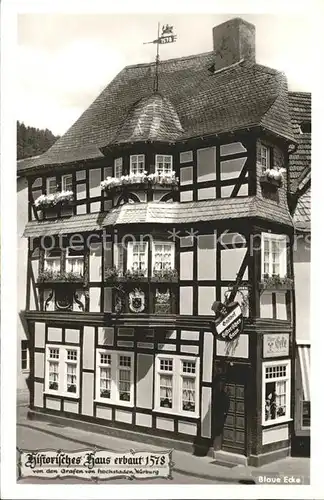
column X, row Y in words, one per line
column 137, row 257
column 67, row 184
column 306, row 414
column 162, row 256
column 276, row 392
column 177, row 384
column 51, row 186
column 137, row 164
column 24, row 355
column 118, row 167
column 274, row 254
column 52, row 260
column 62, row 376
column 74, row 261
column 163, row 164
column 115, row 377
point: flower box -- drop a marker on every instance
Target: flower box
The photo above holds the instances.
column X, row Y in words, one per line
column 59, row 278
column 272, row 177
column 145, row 181
column 54, row 200
column 165, row 275
column 156, row 279
column 276, row 283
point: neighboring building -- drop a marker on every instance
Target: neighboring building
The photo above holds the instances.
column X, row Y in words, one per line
column 121, row 325
column 23, row 356
column 300, row 193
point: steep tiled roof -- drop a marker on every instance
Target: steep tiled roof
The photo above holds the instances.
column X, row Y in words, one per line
column 243, row 95
column 162, row 213
column 302, row 215
column 300, row 112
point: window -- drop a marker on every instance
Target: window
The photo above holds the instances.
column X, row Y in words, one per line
column 119, row 256
column 62, row 370
column 24, row 355
column 137, row 164
column 118, row 167
column 186, row 156
column 264, row 156
column 51, row 186
column 306, row 414
column 163, row 256
column 52, row 260
column 177, row 384
column 274, row 254
column 74, row 261
column 67, row 182
column 276, row 391
column 115, row 377
column 137, row 256
column 163, row 164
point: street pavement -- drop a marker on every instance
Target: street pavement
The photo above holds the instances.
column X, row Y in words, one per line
column 188, row 469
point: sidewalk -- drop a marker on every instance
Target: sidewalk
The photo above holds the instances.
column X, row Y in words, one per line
column 185, row 463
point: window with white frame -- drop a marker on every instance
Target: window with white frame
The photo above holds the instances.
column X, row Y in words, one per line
column 52, row 260
column 24, row 355
column 51, row 186
column 137, row 256
column 137, row 164
column 74, row 260
column 274, row 254
column 276, row 391
column 115, row 377
column 177, row 384
column 118, row 167
column 162, row 256
column 119, row 256
column 67, row 182
column 62, row 374
column 264, row 156
column 163, row 164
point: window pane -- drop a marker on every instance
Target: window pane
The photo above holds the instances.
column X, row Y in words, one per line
column 166, row 390
column 105, row 382
column 188, row 394
column 124, row 384
column 166, row 364
column 71, row 375
column 67, row 182
column 53, row 375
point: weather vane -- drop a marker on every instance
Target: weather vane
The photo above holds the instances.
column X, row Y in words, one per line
column 166, row 36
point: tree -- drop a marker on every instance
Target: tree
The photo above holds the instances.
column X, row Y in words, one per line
column 32, row 141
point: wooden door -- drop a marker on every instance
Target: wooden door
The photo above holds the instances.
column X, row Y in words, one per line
column 234, row 426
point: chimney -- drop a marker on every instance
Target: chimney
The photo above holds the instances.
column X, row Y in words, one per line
column 233, row 41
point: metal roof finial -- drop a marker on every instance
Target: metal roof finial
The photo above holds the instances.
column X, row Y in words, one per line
column 166, row 36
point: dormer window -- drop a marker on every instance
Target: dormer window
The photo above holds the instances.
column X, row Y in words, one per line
column 137, row 164
column 67, row 182
column 118, row 167
column 51, row 185
column 163, row 164
column 265, row 157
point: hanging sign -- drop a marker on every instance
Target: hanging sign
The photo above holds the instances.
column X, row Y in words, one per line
column 228, row 324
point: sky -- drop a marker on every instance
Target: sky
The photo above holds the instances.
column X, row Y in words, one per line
column 66, row 60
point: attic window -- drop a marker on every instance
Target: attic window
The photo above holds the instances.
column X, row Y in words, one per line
column 305, row 128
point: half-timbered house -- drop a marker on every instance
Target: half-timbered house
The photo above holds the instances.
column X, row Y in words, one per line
column 151, row 208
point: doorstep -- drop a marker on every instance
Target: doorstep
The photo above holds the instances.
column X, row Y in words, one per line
column 228, row 459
